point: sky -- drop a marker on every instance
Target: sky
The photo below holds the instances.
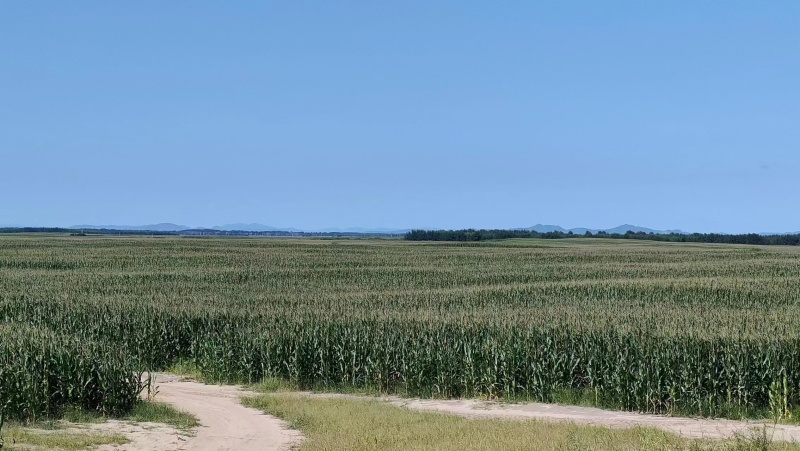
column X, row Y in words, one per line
column 412, row 114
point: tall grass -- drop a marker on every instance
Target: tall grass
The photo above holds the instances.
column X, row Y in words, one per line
column 42, row 372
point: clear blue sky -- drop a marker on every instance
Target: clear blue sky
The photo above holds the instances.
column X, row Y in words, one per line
column 673, row 114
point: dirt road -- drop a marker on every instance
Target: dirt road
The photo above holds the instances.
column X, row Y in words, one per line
column 227, row 425
column 687, row 427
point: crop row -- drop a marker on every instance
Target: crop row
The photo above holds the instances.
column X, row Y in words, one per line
column 711, row 330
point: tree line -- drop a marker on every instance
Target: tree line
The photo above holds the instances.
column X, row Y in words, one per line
column 499, row 234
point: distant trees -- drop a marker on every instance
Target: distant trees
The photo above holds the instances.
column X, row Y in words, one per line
column 468, row 235
column 499, row 234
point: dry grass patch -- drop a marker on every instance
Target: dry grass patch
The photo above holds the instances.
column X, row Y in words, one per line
column 339, row 424
column 19, row 438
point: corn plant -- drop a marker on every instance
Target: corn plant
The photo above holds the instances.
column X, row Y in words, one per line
column 665, row 328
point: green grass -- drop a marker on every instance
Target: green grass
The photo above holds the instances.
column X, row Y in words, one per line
column 19, row 438
column 344, row 424
column 59, row 434
column 273, row 385
column 82, row 416
column 158, row 412
column 69, row 415
column 142, row 412
column 563, row 397
column 187, row 369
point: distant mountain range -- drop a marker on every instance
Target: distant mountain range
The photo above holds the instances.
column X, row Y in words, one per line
column 255, row 227
column 160, row 227
column 544, row 228
column 362, row 230
column 252, row 227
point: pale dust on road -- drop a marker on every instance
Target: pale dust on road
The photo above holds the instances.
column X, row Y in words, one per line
column 225, row 424
column 150, row 436
column 141, row 436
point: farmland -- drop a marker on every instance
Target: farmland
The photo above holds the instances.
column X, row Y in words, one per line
column 699, row 329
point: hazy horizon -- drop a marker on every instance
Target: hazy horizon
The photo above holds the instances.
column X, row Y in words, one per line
column 680, row 115
column 371, row 229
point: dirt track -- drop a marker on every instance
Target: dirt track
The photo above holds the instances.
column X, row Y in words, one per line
column 227, row 425
column 687, row 427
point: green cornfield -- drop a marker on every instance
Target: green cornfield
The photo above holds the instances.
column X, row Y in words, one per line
column 709, row 330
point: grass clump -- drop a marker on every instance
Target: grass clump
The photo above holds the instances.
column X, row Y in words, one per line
column 186, row 368
column 59, row 434
column 159, row 412
column 19, row 438
column 273, row 385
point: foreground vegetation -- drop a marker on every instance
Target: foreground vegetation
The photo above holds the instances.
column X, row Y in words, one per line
column 69, row 432
column 368, row 425
column 669, row 328
column 44, row 370
column 28, row 439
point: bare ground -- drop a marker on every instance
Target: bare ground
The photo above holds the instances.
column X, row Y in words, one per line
column 142, row 436
column 227, row 425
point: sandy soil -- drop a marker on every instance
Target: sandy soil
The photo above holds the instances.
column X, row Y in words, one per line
column 142, row 436
column 687, row 427
column 155, row 436
column 225, row 424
